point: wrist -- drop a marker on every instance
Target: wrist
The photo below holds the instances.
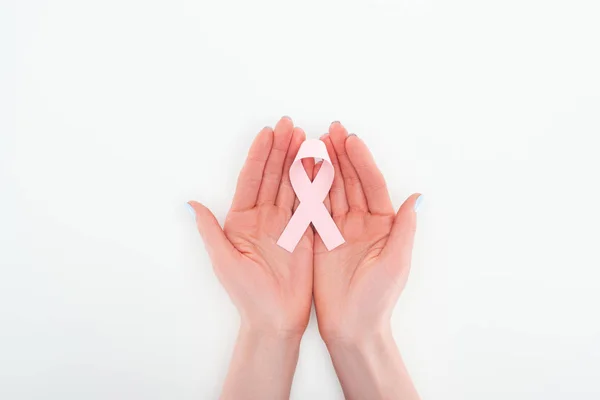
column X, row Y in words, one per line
column 263, row 361
column 357, row 335
column 370, row 366
column 378, row 339
column 274, row 327
column 261, row 335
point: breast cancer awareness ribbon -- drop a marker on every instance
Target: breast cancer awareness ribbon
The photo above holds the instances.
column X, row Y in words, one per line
column 311, row 196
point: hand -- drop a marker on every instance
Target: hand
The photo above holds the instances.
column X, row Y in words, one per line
column 356, row 285
column 271, row 288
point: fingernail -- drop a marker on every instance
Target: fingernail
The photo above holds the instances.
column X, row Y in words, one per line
column 352, row 134
column 287, row 117
column 335, row 122
column 191, row 210
column 418, row 203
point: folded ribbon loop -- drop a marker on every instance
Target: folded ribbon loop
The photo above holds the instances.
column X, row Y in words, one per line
column 311, row 196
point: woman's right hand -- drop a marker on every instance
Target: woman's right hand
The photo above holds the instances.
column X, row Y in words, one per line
column 356, row 285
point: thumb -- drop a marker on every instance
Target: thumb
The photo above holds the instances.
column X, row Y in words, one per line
column 400, row 242
column 214, row 238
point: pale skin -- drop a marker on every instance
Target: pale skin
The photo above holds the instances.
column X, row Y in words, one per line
column 355, row 286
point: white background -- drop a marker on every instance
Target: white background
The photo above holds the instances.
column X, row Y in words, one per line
column 114, row 113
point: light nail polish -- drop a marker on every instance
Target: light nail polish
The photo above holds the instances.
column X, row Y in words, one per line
column 191, row 210
column 418, row 203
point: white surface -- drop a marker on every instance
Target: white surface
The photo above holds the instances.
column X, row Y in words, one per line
column 114, row 113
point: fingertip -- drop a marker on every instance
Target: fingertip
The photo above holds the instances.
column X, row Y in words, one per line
column 190, row 209
column 405, row 226
column 330, row 149
column 412, row 204
column 283, row 133
column 338, row 136
column 196, row 207
column 352, row 140
column 417, row 201
column 299, row 132
column 309, row 165
column 193, row 204
column 265, row 136
column 337, row 128
column 357, row 151
column 199, row 212
column 284, row 122
column 316, row 168
column 266, row 130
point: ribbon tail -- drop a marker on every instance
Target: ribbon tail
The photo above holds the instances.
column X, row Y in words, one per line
column 327, row 229
column 295, row 228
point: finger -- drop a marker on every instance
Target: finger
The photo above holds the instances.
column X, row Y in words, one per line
column 308, row 164
column 286, row 195
column 400, row 241
column 248, row 184
column 337, row 194
column 371, row 178
column 354, row 192
column 274, row 167
column 326, row 201
column 219, row 248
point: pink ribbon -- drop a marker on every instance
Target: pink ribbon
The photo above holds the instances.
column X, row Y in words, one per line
column 311, row 196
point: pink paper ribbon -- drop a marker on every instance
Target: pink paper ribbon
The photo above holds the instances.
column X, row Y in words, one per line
column 311, row 196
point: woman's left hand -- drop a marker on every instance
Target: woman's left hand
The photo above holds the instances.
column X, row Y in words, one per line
column 271, row 287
